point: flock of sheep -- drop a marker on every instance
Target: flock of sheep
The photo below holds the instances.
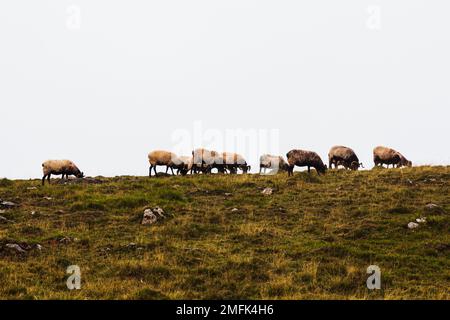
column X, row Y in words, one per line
column 204, row 161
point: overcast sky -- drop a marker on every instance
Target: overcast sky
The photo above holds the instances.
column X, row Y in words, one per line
column 104, row 82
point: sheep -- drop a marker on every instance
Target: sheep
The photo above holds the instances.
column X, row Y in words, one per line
column 383, row 155
column 62, row 167
column 267, row 161
column 233, row 161
column 204, row 160
column 304, row 158
column 163, row 158
column 186, row 165
column 340, row 155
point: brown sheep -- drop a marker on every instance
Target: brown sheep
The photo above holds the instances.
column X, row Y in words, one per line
column 267, row 161
column 340, row 155
column 303, row 158
column 163, row 158
column 62, row 167
column 383, row 155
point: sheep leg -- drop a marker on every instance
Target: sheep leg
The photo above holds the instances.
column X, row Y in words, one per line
column 154, row 169
column 43, row 179
column 48, row 178
column 150, row 171
column 172, row 171
column 290, row 171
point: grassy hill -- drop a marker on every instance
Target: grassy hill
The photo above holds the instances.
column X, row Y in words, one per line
column 313, row 238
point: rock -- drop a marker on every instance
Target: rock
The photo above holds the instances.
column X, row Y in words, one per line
column 421, row 220
column 2, row 211
column 60, row 211
column 149, row 217
column 65, row 240
column 48, row 198
column 16, row 247
column 432, row 207
column 31, row 188
column 39, row 247
column 413, row 225
column 158, row 211
column 3, row 220
column 234, row 210
column 8, row 204
column 227, row 194
column 267, row 191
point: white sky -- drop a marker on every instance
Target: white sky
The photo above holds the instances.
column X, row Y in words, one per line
column 129, row 76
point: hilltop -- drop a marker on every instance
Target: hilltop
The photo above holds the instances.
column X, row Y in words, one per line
column 312, row 238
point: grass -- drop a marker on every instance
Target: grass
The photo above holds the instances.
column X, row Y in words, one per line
column 313, row 238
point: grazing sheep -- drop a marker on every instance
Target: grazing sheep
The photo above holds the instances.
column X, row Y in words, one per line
column 233, row 161
column 383, row 155
column 204, row 160
column 267, row 161
column 304, row 158
column 62, row 167
column 163, row 158
column 340, row 155
column 186, row 165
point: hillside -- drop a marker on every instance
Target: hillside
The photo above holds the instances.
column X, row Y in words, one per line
column 312, row 238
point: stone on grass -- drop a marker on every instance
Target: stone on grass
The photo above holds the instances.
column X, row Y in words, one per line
column 432, row 207
column 159, row 211
column 267, row 191
column 16, row 247
column 234, row 210
column 8, row 204
column 65, row 240
column 149, row 217
column 413, row 225
column 3, row 219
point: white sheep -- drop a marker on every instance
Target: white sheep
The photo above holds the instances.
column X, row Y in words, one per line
column 267, row 161
column 186, row 165
column 63, row 167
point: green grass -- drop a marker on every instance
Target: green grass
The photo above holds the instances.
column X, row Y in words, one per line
column 313, row 238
